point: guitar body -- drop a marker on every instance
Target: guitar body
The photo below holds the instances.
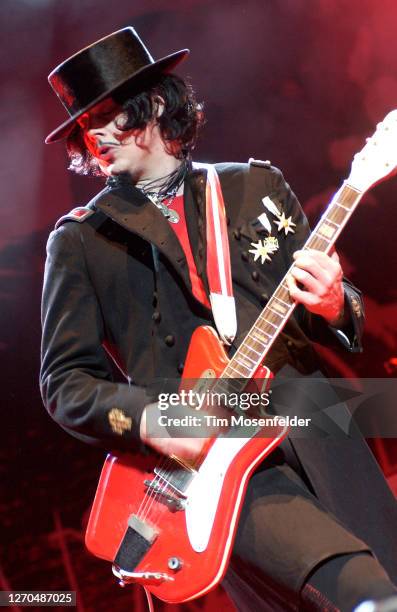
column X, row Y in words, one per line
column 185, row 548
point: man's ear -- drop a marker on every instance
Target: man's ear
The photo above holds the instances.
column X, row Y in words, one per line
column 159, row 105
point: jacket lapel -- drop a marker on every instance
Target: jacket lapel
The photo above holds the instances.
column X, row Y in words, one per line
column 131, row 209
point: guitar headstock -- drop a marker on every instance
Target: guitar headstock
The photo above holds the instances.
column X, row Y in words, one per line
column 378, row 159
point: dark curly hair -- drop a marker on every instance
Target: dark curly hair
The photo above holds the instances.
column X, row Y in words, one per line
column 179, row 122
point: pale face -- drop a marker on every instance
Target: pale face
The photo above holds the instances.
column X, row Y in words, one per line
column 119, row 151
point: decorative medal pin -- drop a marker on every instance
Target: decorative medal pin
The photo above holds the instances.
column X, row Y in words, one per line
column 283, row 222
column 263, row 249
column 286, row 224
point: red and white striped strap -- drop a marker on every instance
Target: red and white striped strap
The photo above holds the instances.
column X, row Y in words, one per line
column 218, row 258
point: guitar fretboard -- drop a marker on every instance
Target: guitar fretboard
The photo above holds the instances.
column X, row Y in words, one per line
column 279, row 308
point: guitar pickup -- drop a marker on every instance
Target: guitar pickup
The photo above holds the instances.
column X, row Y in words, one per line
column 178, row 475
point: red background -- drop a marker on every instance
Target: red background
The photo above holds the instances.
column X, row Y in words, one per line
column 301, row 82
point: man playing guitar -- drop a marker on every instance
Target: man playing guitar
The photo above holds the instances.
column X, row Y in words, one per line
column 129, row 273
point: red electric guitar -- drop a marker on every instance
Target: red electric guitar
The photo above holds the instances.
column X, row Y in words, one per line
column 169, row 525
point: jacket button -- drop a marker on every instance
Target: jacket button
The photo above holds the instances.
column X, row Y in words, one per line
column 156, row 316
column 180, row 367
column 244, row 256
column 236, row 234
column 169, row 340
column 290, row 343
column 255, row 275
column 263, row 299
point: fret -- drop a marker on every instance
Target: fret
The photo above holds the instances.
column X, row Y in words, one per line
column 249, row 358
column 280, row 300
column 337, row 214
column 268, row 322
column 234, row 369
column 236, row 360
column 272, row 317
column 341, row 206
column 269, row 307
column 263, row 340
column 282, row 294
column 246, row 342
column 327, row 220
column 259, row 337
column 348, row 196
column 315, row 242
column 241, row 362
column 281, row 307
column 326, row 231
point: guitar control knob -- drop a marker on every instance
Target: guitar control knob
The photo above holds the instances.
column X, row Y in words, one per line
column 174, row 563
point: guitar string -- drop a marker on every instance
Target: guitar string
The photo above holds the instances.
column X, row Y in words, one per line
column 151, row 493
column 154, row 493
column 164, row 473
column 162, row 479
column 158, row 494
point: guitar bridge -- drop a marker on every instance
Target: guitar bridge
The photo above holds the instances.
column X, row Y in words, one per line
column 170, row 498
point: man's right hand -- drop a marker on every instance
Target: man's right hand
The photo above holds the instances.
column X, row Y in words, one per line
column 171, row 440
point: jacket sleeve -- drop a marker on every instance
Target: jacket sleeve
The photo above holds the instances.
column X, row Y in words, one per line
column 76, row 375
column 315, row 326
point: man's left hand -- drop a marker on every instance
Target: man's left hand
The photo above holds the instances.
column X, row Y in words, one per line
column 320, row 284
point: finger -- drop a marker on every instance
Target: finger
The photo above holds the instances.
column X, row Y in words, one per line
column 327, row 260
column 321, row 266
column 298, row 295
column 312, row 266
column 309, row 282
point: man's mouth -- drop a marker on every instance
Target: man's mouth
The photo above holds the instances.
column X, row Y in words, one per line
column 106, row 150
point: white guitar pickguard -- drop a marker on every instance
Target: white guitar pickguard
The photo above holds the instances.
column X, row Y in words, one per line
column 204, row 491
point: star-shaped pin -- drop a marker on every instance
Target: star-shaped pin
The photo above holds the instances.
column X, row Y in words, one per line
column 285, row 224
column 264, row 248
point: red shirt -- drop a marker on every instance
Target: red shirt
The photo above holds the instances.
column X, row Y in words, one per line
column 180, row 230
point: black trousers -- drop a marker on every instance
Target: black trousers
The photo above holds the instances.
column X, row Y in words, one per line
column 287, row 540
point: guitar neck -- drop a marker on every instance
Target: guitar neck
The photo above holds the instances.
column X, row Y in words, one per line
column 279, row 308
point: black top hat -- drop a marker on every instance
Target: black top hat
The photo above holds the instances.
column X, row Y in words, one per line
column 92, row 74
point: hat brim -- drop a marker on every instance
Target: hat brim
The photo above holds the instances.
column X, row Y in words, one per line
column 163, row 65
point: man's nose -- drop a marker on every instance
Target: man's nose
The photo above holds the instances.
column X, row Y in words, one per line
column 96, row 133
column 93, row 126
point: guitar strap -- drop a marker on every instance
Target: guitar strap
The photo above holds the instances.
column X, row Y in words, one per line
column 218, row 258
